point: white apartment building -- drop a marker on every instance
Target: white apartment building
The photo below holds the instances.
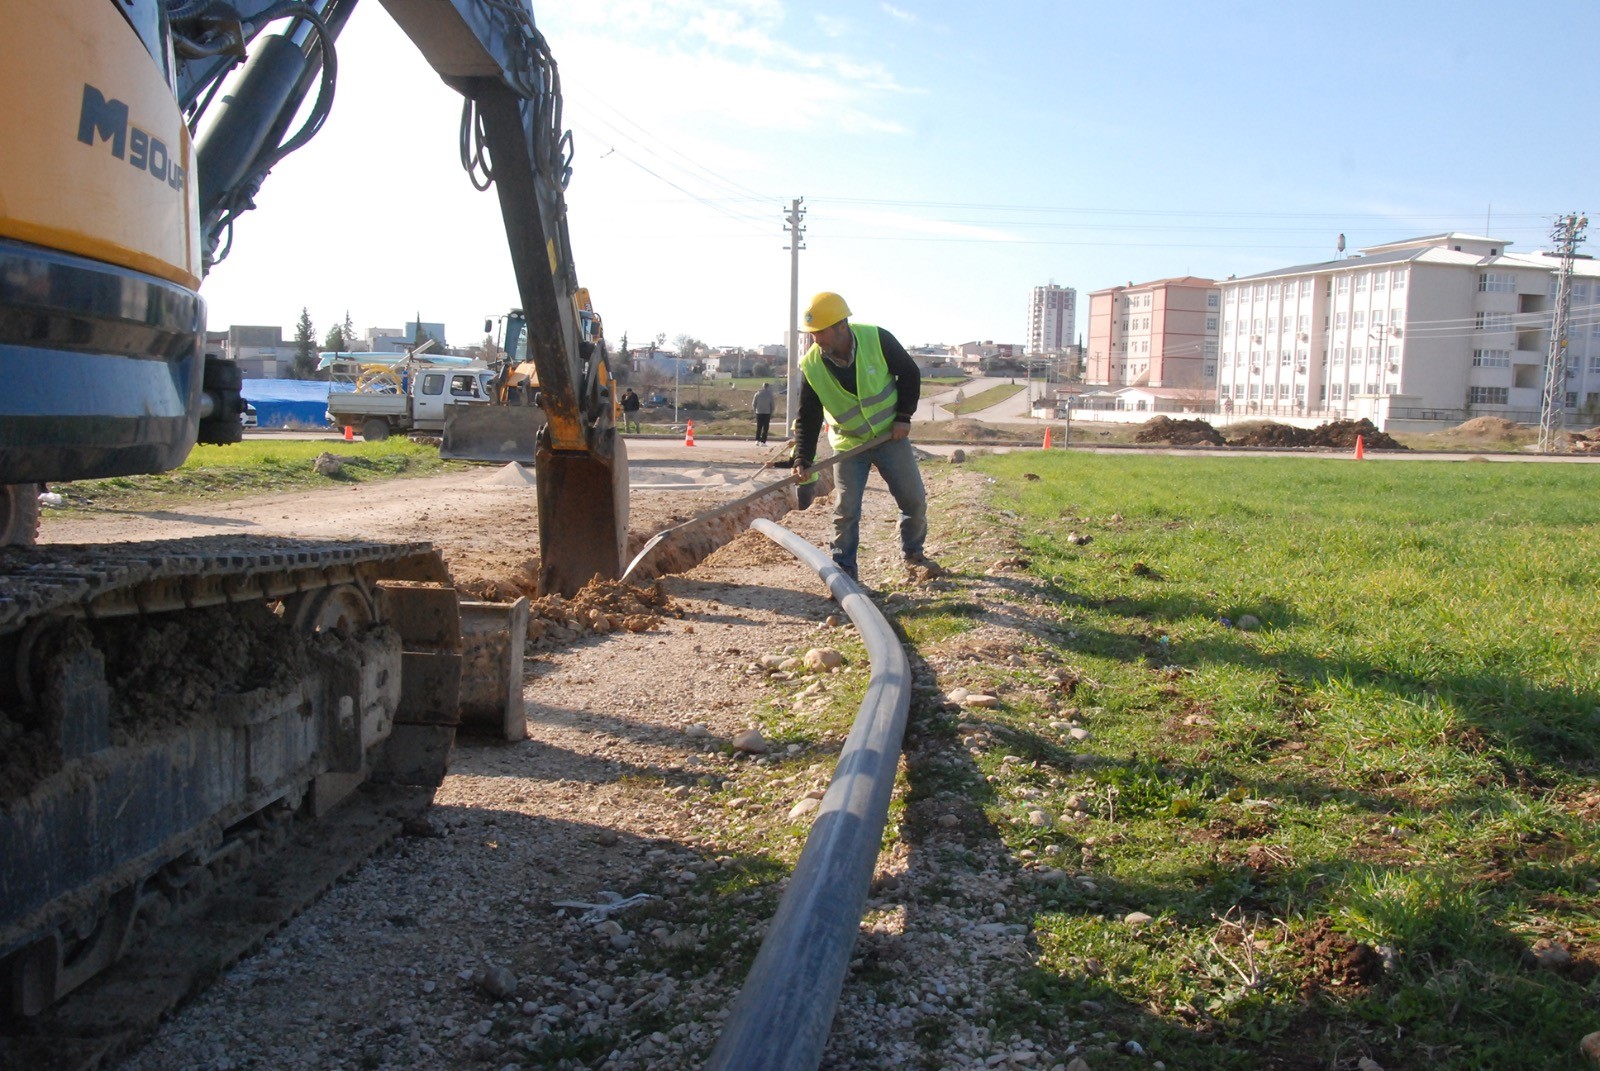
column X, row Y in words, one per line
column 1441, row 327
column 1052, row 319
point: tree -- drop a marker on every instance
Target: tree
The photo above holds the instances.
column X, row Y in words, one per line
column 688, row 346
column 336, row 340
column 305, row 347
column 349, row 330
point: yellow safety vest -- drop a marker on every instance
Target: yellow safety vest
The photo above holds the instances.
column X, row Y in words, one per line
column 854, row 418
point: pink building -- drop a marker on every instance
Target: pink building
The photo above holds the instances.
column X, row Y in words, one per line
column 1157, row 334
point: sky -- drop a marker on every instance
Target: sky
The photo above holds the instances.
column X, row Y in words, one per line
column 951, row 156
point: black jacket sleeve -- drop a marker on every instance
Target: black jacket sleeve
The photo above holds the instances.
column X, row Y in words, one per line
column 907, row 378
column 810, row 423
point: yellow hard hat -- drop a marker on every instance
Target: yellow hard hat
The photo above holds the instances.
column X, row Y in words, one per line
column 825, row 310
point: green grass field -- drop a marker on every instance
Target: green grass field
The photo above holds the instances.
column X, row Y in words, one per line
column 253, row 467
column 1345, row 730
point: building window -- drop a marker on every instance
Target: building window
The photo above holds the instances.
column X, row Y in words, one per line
column 1358, row 321
column 1340, row 320
column 1377, row 317
column 1361, row 283
column 1493, row 321
column 1272, row 326
column 1305, row 287
column 1338, row 392
column 1398, row 278
column 1211, row 323
column 1259, row 291
column 1283, row 391
column 1493, row 358
column 1272, row 290
column 1303, row 322
column 1392, row 388
column 1594, row 363
column 1497, row 282
column 1338, row 355
column 1256, row 326
column 1211, row 347
column 1233, row 297
column 1372, row 355
column 1344, row 284
column 1209, row 371
column 1488, row 395
column 1255, row 391
column 1284, row 357
column 1379, row 280
column 1211, row 300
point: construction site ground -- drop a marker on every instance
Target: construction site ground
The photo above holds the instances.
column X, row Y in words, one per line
column 447, row 950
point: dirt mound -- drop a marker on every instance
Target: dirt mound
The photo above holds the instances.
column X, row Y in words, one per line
column 1338, row 434
column 1490, row 427
column 1164, row 429
column 965, row 431
column 602, row 606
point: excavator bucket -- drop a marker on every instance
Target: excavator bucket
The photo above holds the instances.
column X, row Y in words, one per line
column 583, row 515
column 492, row 433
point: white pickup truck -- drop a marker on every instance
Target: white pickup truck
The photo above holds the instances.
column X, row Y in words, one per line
column 407, row 400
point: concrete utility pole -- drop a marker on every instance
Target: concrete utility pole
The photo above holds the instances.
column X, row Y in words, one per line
column 796, row 243
column 1566, row 234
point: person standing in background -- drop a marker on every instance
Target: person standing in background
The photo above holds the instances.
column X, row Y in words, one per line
column 763, row 404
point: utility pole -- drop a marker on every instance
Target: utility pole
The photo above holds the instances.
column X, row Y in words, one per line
column 796, row 243
column 1566, row 234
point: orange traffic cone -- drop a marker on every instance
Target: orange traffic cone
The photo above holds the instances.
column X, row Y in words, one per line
column 688, row 434
column 1047, row 438
column 1361, row 448
column 349, row 434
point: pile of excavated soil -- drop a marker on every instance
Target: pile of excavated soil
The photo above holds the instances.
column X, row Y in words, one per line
column 1164, row 429
column 965, row 431
column 1490, row 427
column 1338, row 434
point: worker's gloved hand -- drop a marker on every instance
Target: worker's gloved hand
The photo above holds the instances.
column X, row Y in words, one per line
column 901, row 430
column 800, row 468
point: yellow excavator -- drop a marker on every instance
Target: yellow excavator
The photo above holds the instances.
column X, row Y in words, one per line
column 166, row 708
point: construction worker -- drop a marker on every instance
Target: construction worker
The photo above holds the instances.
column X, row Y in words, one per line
column 867, row 384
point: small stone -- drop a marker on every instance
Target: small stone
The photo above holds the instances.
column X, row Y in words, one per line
column 1078, row 540
column 1078, row 1064
column 1550, row 955
column 949, row 821
column 496, row 981
column 606, row 838
column 1590, row 1047
column 803, row 808
column 610, row 927
column 957, row 456
column 832, row 621
column 697, row 731
column 789, row 665
column 750, row 741
column 980, row 700
column 1137, row 918
column 1077, row 732
column 1039, row 819
column 958, row 696
column 823, row 660
column 1249, row 621
column 621, row 942
column 327, row 465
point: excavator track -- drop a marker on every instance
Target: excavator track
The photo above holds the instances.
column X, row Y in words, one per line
column 197, row 737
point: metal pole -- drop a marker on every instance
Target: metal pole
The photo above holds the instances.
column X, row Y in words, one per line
column 792, row 376
column 1568, row 232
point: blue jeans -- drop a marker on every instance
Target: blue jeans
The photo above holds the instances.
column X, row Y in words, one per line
column 897, row 464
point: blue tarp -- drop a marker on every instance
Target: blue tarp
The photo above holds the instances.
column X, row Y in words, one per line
column 290, row 403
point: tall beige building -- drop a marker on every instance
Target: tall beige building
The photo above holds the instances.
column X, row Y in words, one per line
column 1052, row 319
column 1156, row 334
column 1431, row 328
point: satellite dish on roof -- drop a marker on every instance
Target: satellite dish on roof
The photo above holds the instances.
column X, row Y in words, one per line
column 1341, row 243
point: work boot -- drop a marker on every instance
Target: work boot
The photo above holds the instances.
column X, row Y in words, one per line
column 926, row 566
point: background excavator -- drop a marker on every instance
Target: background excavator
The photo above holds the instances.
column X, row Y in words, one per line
column 303, row 670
